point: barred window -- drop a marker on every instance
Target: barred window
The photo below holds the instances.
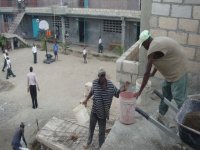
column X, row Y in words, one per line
column 57, row 21
column 112, row 26
column 66, row 22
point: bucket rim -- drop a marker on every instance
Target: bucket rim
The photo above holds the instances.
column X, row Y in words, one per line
column 129, row 96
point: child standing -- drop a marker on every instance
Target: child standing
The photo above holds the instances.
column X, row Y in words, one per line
column 85, row 55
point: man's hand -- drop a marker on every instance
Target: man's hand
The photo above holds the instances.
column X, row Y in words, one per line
column 137, row 94
column 38, row 89
column 28, row 89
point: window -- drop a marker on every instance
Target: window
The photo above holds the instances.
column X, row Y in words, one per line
column 66, row 22
column 57, row 21
column 112, row 26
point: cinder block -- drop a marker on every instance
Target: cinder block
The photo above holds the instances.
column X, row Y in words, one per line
column 119, row 65
column 196, row 12
column 188, row 25
column 173, row 1
column 193, row 66
column 130, row 67
column 153, row 21
column 134, row 78
column 160, row 9
column 168, row 23
column 192, row 1
column 118, row 76
column 194, row 39
column 190, row 52
column 197, row 57
column 180, row 37
column 181, row 11
column 158, row 32
column 123, row 77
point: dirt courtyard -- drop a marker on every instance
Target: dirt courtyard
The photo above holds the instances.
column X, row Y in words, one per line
column 61, row 89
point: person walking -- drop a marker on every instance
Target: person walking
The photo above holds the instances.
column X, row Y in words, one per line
column 103, row 91
column 34, row 50
column 4, row 56
column 8, row 65
column 167, row 56
column 55, row 50
column 32, row 85
column 100, row 46
column 85, row 55
column 19, row 133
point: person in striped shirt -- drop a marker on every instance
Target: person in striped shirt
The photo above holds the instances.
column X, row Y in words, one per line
column 103, row 91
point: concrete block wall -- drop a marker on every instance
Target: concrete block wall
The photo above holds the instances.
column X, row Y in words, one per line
column 180, row 20
column 127, row 65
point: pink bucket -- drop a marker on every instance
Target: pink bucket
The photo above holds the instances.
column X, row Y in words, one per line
column 127, row 108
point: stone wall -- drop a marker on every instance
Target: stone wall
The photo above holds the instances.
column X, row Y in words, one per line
column 180, row 20
column 127, row 65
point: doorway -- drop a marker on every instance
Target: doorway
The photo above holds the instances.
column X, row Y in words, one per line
column 81, row 30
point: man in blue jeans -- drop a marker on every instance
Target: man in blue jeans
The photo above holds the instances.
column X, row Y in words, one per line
column 102, row 91
column 167, row 56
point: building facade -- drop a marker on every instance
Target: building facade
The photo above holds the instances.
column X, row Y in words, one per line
column 116, row 21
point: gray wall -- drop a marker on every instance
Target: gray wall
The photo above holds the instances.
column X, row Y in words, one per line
column 1, row 23
column 92, row 31
column 48, row 2
column 94, row 28
column 112, row 4
column 131, row 34
column 26, row 27
column 73, row 30
column 115, row 4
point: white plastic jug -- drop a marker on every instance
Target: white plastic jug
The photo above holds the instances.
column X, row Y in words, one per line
column 81, row 114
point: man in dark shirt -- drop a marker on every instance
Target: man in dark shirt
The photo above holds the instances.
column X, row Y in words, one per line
column 102, row 91
column 17, row 137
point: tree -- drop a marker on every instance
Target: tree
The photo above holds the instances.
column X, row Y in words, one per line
column 2, row 42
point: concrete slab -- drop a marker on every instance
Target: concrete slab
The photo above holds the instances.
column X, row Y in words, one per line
column 141, row 135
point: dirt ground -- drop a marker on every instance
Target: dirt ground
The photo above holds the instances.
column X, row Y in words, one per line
column 61, row 89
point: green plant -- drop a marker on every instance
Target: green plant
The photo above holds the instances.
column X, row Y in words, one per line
column 42, row 38
column 64, row 46
column 118, row 50
column 2, row 41
column 43, row 43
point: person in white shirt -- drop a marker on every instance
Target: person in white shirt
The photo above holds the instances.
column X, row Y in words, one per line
column 85, row 55
column 8, row 65
column 34, row 50
column 4, row 56
column 100, row 46
column 32, row 86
